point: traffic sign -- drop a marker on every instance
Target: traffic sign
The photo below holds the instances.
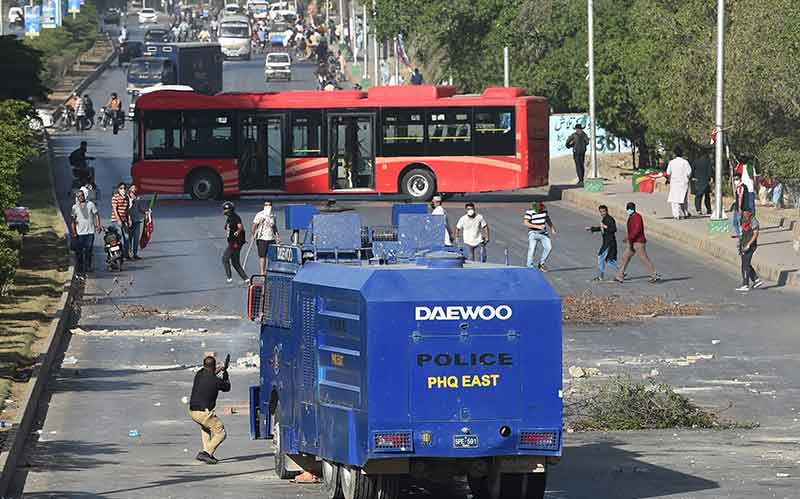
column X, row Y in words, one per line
column 32, row 20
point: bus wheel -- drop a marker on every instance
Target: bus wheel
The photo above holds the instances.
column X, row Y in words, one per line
column 204, row 185
column 279, row 452
column 330, row 480
column 420, row 184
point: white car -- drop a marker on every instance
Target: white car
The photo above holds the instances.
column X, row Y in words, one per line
column 278, row 9
column 148, row 15
column 278, row 66
column 232, row 9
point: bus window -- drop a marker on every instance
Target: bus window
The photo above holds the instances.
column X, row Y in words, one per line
column 162, row 135
column 450, row 132
column 208, row 134
column 403, row 133
column 306, row 135
column 494, row 132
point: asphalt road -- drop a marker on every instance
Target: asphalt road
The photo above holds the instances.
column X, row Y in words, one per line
column 112, row 383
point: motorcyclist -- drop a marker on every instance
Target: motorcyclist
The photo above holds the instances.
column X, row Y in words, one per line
column 89, row 107
column 80, row 166
column 114, row 107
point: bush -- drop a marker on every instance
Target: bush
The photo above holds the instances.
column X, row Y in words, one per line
column 780, row 158
column 10, row 243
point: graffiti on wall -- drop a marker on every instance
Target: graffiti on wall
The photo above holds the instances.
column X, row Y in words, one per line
column 563, row 125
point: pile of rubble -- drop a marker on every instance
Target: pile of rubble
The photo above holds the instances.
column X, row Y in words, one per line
column 588, row 308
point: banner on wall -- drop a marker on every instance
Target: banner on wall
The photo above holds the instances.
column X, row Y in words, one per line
column 49, row 14
column 33, row 16
column 563, row 125
column 73, row 6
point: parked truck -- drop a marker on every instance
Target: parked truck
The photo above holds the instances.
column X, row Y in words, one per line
column 385, row 355
column 197, row 65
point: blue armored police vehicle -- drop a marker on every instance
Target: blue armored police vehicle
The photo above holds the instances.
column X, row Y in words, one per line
column 384, row 356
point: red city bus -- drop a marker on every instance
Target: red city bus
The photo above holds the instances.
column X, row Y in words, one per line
column 416, row 140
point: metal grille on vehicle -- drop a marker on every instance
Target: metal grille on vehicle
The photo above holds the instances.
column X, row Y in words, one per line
column 308, row 313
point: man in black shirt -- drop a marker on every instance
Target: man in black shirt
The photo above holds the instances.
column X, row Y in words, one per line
column 236, row 239
column 205, row 389
column 578, row 142
column 81, row 170
column 607, row 255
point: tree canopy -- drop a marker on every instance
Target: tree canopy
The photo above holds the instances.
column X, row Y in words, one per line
column 655, row 63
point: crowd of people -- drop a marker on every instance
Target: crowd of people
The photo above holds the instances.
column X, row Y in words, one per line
column 81, row 114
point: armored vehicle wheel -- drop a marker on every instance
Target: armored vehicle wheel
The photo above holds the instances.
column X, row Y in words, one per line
column 510, row 486
column 356, row 485
column 280, row 453
column 330, row 480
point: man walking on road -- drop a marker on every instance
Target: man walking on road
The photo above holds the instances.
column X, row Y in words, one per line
column 114, row 107
column 578, row 142
column 236, row 239
column 266, row 233
column 120, row 217
column 539, row 224
column 607, row 255
column 637, row 245
column 438, row 209
column 205, row 389
column 679, row 172
column 138, row 210
column 85, row 222
column 701, row 178
column 748, row 243
column 474, row 232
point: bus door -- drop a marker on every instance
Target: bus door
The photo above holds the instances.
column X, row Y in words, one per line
column 351, row 150
column 261, row 156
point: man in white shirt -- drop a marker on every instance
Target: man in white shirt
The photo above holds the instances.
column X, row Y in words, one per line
column 474, row 232
column 679, row 172
column 265, row 231
column 85, row 221
column 438, row 209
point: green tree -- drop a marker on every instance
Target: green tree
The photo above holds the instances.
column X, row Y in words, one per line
column 21, row 66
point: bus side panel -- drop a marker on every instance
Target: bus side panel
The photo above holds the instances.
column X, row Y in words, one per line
column 455, row 173
column 168, row 176
column 536, row 135
column 307, row 175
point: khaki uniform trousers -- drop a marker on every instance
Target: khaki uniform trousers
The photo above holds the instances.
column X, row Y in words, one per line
column 212, row 430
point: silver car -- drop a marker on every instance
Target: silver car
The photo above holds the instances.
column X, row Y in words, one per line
column 278, row 66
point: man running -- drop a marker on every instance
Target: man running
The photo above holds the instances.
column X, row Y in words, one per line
column 539, row 226
column 474, row 232
column 205, row 389
column 236, row 239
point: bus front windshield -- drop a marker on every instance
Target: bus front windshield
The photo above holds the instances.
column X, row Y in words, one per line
column 234, row 31
column 144, row 69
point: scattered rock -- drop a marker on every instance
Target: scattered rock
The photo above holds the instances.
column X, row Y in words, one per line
column 250, row 360
column 184, row 399
column 654, row 373
column 716, row 342
column 583, row 372
column 69, row 361
column 782, row 475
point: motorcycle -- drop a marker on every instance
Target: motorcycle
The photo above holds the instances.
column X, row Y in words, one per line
column 66, row 119
column 112, row 242
column 104, row 119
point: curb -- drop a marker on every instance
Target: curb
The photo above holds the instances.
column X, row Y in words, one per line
column 704, row 247
column 23, row 423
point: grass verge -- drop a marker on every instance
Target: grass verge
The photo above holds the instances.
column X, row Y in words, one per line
column 29, row 307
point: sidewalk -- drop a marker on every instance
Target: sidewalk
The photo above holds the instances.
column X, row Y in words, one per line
column 775, row 260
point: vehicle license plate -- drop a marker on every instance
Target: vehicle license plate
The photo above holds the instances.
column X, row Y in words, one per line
column 465, row 441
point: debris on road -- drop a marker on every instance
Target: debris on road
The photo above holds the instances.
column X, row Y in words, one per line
column 782, row 475
column 184, row 399
column 583, row 372
column 589, row 308
column 716, row 342
column 199, row 313
column 133, row 433
column 156, row 331
column 69, row 361
column 250, row 360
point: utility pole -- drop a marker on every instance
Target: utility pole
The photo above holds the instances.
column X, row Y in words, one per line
column 365, row 37
column 341, row 19
column 719, row 125
column 506, row 79
column 375, row 62
column 396, row 63
column 592, row 120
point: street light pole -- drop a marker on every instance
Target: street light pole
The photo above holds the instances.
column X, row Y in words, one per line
column 719, row 119
column 593, row 122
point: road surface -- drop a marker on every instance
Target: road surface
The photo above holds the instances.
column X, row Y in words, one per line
column 112, row 383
